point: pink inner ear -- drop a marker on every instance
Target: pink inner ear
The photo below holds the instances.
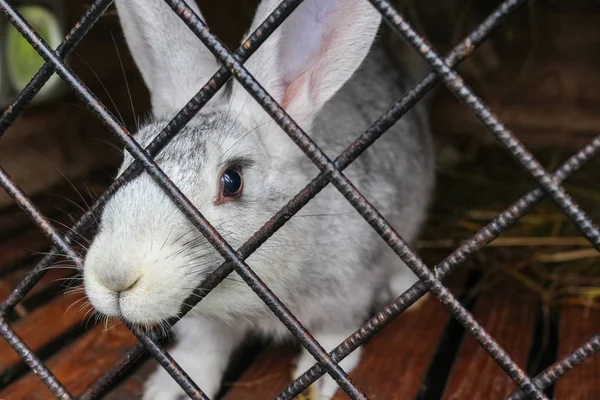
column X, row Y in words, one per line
column 316, row 65
column 292, row 90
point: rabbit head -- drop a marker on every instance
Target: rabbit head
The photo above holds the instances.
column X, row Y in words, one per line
column 232, row 161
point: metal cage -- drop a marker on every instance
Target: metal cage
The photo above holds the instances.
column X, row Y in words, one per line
column 548, row 184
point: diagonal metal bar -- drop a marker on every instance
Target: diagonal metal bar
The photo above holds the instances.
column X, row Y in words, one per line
column 218, row 80
column 483, row 237
column 36, row 365
column 358, row 201
column 89, row 18
column 524, row 158
column 189, row 210
column 562, row 367
column 169, row 364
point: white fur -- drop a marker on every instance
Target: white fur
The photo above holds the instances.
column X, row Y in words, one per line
column 156, row 35
column 326, row 264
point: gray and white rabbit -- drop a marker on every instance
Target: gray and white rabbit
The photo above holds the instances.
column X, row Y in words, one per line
column 238, row 167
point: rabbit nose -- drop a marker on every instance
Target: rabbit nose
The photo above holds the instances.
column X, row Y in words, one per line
column 129, row 287
column 121, row 284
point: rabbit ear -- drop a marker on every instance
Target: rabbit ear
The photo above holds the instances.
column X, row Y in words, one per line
column 173, row 61
column 314, row 52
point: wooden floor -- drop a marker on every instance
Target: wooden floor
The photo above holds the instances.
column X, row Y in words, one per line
column 421, row 355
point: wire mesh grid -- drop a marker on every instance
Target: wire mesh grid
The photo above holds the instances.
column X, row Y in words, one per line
column 549, row 184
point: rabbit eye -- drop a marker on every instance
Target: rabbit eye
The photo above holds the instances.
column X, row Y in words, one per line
column 231, row 183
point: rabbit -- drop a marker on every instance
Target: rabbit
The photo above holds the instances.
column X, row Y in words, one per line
column 238, row 167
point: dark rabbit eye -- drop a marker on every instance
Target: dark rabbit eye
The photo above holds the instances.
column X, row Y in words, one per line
column 231, row 183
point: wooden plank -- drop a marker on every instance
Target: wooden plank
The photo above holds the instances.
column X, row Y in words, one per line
column 78, row 365
column 411, row 338
column 53, row 278
column 566, row 126
column 507, row 312
column 42, row 326
column 266, row 377
column 577, row 325
column 537, row 72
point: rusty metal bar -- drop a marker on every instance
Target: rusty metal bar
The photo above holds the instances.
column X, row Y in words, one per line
column 36, row 365
column 562, row 367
